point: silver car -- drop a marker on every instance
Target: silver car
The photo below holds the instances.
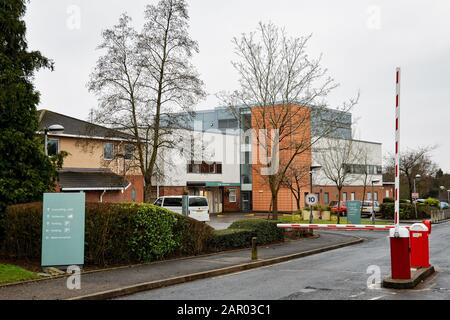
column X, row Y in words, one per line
column 366, row 208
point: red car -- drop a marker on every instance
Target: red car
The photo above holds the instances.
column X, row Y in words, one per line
column 335, row 208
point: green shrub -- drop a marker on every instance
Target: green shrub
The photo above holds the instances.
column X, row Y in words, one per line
column 265, row 230
column 114, row 233
column 152, row 237
column 230, row 239
column 432, row 202
column 388, row 200
column 407, row 211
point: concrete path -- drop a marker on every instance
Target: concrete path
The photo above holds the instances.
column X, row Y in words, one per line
column 130, row 276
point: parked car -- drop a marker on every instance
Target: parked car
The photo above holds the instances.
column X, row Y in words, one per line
column 342, row 209
column 366, row 208
column 198, row 206
column 444, row 205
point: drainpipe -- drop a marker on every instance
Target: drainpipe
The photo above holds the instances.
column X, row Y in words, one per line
column 101, row 196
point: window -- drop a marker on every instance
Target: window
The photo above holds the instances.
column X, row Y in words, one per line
column 129, row 151
column 326, row 197
column 53, row 147
column 108, row 151
column 204, row 167
column 362, row 169
column 158, row 202
column 369, row 196
column 344, row 196
column 228, row 124
column 352, row 196
column 387, row 194
column 172, row 202
column 232, row 196
column 198, row 202
column 375, row 196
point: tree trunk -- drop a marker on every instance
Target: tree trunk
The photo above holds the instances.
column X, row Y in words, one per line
column 149, row 196
column 297, row 201
column 274, row 206
column 339, row 206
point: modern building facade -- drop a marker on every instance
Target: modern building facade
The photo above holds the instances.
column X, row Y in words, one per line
column 226, row 164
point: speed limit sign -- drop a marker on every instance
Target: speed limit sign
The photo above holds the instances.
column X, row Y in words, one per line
column 311, row 199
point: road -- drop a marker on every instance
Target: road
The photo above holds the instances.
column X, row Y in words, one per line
column 338, row 274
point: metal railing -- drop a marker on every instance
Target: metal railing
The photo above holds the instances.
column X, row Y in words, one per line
column 440, row 215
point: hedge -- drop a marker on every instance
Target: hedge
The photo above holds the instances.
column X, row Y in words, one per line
column 230, row 239
column 407, row 211
column 265, row 230
column 115, row 233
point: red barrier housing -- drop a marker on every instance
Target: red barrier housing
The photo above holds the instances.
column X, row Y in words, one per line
column 400, row 254
column 420, row 246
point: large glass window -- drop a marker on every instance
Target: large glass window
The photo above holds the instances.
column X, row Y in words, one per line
column 228, row 124
column 108, row 151
column 53, row 147
column 326, row 198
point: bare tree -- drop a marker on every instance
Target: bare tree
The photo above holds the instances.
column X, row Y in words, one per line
column 366, row 173
column 297, row 178
column 279, row 82
column 412, row 162
column 144, row 77
column 335, row 156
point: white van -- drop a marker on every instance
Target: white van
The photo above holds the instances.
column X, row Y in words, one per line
column 198, row 206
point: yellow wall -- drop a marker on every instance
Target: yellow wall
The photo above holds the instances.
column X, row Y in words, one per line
column 88, row 153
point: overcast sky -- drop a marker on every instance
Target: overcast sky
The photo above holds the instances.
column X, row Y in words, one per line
column 362, row 43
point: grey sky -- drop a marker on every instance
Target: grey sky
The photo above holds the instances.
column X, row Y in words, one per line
column 362, row 42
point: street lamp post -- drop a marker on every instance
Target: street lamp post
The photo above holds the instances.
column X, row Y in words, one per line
column 415, row 191
column 373, row 201
column 311, row 169
column 54, row 128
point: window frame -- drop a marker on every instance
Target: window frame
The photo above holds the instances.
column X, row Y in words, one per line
column 57, row 146
column 234, row 192
column 104, row 151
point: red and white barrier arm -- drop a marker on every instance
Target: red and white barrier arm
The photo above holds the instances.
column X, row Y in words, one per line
column 347, row 227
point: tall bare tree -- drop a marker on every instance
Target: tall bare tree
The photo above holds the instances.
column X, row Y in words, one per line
column 143, row 77
column 335, row 156
column 279, row 82
column 412, row 162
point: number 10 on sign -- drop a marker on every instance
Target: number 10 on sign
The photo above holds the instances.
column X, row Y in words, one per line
column 311, row 199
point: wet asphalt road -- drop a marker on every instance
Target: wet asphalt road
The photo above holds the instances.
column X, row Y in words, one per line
column 338, row 274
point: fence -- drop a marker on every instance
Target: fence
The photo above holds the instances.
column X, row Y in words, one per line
column 440, row 215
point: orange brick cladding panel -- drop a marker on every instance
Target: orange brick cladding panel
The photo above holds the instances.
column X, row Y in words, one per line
column 299, row 134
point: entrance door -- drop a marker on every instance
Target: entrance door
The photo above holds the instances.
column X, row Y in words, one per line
column 246, row 197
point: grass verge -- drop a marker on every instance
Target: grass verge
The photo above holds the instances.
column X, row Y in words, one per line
column 10, row 273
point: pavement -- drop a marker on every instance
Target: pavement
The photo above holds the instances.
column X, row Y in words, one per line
column 223, row 221
column 350, row 273
column 115, row 279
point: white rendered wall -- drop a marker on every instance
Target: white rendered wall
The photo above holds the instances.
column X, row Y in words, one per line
column 374, row 157
column 208, row 146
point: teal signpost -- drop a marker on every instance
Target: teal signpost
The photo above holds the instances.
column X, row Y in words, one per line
column 63, row 229
column 354, row 212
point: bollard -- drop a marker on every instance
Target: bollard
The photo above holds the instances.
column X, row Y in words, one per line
column 254, row 249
